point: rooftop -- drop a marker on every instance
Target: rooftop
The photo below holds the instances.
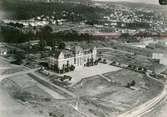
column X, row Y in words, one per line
column 68, row 53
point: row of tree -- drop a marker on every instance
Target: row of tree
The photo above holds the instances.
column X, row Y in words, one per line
column 66, row 68
column 45, row 34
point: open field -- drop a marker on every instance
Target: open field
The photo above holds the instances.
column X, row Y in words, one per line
column 5, row 63
column 25, row 83
column 7, row 68
column 11, row 70
column 145, row 88
column 92, row 86
column 10, row 107
column 111, row 98
column 14, row 95
column 37, row 97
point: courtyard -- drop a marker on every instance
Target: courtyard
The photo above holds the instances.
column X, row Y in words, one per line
column 85, row 72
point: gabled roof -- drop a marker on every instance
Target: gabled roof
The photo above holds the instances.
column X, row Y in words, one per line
column 57, row 53
column 67, row 53
column 77, row 49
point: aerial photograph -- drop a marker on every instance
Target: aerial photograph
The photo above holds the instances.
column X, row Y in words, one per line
column 83, row 58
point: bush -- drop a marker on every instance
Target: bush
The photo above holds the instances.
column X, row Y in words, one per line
column 128, row 85
column 133, row 83
column 105, row 61
column 72, row 68
column 23, row 96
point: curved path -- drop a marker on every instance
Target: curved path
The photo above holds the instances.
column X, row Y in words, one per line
column 148, row 106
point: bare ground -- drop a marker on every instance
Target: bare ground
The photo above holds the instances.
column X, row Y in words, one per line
column 111, row 98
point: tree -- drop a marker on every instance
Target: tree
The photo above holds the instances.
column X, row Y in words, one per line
column 128, row 85
column 18, row 25
column 105, row 61
column 18, row 61
column 61, row 45
column 72, row 67
column 19, row 56
column 44, row 35
column 46, row 30
column 96, row 62
column 133, row 83
column 42, row 44
column 44, row 64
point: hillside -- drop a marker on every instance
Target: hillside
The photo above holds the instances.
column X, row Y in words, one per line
column 47, row 1
column 102, row 17
column 25, row 10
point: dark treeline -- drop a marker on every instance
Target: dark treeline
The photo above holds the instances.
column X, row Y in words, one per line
column 73, row 36
column 137, row 25
column 15, row 35
column 74, row 12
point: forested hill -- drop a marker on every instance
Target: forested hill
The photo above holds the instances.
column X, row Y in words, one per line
column 46, row 1
column 28, row 10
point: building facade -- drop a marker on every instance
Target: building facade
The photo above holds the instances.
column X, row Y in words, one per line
column 76, row 57
column 161, row 57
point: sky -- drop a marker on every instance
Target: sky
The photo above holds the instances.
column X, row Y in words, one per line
column 142, row 1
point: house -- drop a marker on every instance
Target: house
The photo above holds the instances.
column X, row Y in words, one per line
column 69, row 59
